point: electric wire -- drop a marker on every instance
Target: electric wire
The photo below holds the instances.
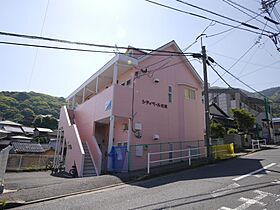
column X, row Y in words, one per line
column 242, row 56
column 36, row 52
column 219, row 15
column 229, row 2
column 228, row 72
column 219, row 75
column 206, row 18
column 89, row 50
column 80, row 43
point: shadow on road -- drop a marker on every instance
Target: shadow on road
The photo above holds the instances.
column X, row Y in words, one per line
column 173, row 203
column 233, row 167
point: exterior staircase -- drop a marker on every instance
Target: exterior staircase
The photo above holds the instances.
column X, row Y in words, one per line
column 89, row 169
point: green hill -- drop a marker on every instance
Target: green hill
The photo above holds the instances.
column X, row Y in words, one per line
column 274, row 95
column 23, row 107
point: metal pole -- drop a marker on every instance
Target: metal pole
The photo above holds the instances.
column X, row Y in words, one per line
column 190, row 156
column 267, row 118
column 148, row 167
column 206, row 102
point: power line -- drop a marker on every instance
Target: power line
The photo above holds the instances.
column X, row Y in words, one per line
column 81, row 43
column 234, row 58
column 236, row 61
column 206, row 18
column 231, row 3
column 239, row 80
column 251, row 72
column 219, row 75
column 222, row 16
column 185, row 49
column 93, row 51
column 36, row 53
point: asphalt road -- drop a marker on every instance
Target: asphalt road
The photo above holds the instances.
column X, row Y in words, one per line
column 249, row 182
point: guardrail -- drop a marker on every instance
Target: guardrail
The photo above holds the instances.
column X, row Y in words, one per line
column 258, row 143
column 189, row 156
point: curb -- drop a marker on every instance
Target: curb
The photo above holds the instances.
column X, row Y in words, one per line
column 13, row 204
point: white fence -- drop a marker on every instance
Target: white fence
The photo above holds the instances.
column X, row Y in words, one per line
column 185, row 154
column 257, row 144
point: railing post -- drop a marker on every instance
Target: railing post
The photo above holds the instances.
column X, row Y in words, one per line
column 190, row 157
column 148, row 167
column 19, row 164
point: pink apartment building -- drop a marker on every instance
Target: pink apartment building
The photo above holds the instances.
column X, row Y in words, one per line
column 137, row 102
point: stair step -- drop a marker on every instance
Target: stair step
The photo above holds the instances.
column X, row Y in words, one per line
column 89, row 169
column 89, row 175
column 86, row 166
column 89, row 172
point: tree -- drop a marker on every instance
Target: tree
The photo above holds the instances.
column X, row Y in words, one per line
column 244, row 119
column 217, row 130
column 45, row 122
column 28, row 116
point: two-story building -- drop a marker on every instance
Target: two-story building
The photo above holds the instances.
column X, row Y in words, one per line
column 138, row 101
column 231, row 98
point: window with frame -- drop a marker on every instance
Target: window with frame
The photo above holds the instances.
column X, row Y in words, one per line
column 189, row 94
column 170, row 95
column 128, row 82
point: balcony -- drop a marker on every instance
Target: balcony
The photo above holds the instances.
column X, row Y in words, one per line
column 114, row 100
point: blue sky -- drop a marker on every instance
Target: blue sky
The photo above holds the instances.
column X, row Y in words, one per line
column 124, row 22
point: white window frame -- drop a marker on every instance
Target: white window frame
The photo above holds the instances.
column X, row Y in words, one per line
column 170, row 94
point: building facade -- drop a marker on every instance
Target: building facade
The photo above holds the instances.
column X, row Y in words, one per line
column 231, row 98
column 135, row 101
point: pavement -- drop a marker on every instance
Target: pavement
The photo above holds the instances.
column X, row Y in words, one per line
column 33, row 187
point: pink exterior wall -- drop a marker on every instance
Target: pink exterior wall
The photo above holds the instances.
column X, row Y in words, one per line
column 121, row 135
column 122, row 101
column 182, row 120
column 92, row 110
column 75, row 152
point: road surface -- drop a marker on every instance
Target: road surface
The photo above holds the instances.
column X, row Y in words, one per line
column 249, row 182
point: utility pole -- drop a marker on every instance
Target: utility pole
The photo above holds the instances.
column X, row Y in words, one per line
column 206, row 102
column 267, row 108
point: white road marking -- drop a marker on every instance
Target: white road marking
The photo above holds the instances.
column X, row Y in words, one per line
column 249, row 202
column 224, row 190
column 8, row 191
column 276, row 181
column 253, row 172
column 261, row 175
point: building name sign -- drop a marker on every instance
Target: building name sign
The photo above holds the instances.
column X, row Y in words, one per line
column 155, row 104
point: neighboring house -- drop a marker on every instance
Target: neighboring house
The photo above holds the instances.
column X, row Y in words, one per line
column 12, row 127
column 230, row 98
column 28, row 131
column 276, row 128
column 124, row 105
column 21, row 139
column 30, row 148
column 219, row 116
column 3, row 139
column 42, row 132
column 52, row 143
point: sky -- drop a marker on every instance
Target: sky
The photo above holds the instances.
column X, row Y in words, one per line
column 127, row 22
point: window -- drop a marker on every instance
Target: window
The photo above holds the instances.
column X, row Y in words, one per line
column 189, row 94
column 128, row 82
column 169, row 94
